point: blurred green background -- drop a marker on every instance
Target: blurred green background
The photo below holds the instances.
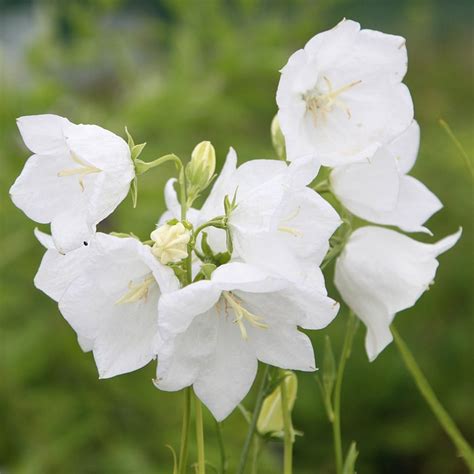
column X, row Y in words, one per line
column 177, row 73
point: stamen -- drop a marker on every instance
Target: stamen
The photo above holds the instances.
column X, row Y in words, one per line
column 137, row 292
column 290, row 230
column 317, row 102
column 242, row 314
column 83, row 170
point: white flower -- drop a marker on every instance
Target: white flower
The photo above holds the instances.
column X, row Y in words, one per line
column 77, row 176
column 381, row 272
column 108, row 292
column 214, row 331
column 378, row 190
column 278, row 222
column 341, row 97
column 171, row 243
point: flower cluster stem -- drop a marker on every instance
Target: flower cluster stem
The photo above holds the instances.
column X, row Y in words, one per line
column 253, row 422
column 431, row 399
column 183, row 450
column 288, row 437
column 336, row 421
column 201, row 464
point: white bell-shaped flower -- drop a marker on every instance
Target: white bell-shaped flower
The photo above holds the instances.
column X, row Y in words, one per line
column 278, row 222
column 214, row 332
column 341, row 96
column 378, row 189
column 77, row 176
column 108, row 292
column 381, row 272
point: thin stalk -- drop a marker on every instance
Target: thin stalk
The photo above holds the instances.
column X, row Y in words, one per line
column 458, row 145
column 183, row 450
column 288, row 431
column 255, row 454
column 201, row 464
column 143, row 166
column 431, row 399
column 336, row 423
column 223, row 457
column 253, row 422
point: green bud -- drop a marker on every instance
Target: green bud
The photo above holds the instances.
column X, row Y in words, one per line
column 278, row 140
column 200, row 170
column 270, row 420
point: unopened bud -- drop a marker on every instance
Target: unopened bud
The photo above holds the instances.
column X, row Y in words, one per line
column 278, row 139
column 171, row 243
column 200, row 169
column 270, row 420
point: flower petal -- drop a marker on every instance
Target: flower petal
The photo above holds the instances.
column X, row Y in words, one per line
column 405, row 147
column 44, row 134
column 228, row 375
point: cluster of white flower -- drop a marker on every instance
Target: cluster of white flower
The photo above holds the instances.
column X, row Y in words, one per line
column 220, row 288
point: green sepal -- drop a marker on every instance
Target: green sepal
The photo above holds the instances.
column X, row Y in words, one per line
column 134, row 191
column 137, row 150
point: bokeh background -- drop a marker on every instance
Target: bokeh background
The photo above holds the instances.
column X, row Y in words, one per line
column 177, row 73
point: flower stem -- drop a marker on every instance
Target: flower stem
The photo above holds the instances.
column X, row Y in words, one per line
column 183, row 450
column 223, row 457
column 438, row 410
column 253, row 421
column 288, row 431
column 336, row 422
column 201, row 464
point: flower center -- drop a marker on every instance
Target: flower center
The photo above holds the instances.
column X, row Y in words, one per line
column 83, row 170
column 241, row 314
column 136, row 292
column 320, row 103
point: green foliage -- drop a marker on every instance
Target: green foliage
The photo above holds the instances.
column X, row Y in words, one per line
column 177, row 73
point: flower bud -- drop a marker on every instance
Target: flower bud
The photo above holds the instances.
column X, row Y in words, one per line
column 200, row 169
column 278, row 140
column 270, row 420
column 171, row 243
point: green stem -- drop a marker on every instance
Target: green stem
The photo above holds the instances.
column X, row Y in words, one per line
column 143, row 166
column 183, row 451
column 438, row 410
column 255, row 454
column 253, row 422
column 288, row 431
column 201, row 464
column 223, row 457
column 336, row 422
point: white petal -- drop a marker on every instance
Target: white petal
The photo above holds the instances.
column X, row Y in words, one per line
column 405, row 147
column 381, row 272
column 329, row 46
column 44, row 134
column 123, row 335
column 368, row 186
column 303, row 171
column 70, row 230
column 227, row 377
column 283, row 346
column 181, row 359
column 415, row 205
column 57, row 271
column 178, row 308
column 237, row 275
column 40, row 193
column 44, row 239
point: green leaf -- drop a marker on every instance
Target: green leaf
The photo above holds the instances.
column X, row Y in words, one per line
column 270, row 420
column 349, row 463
